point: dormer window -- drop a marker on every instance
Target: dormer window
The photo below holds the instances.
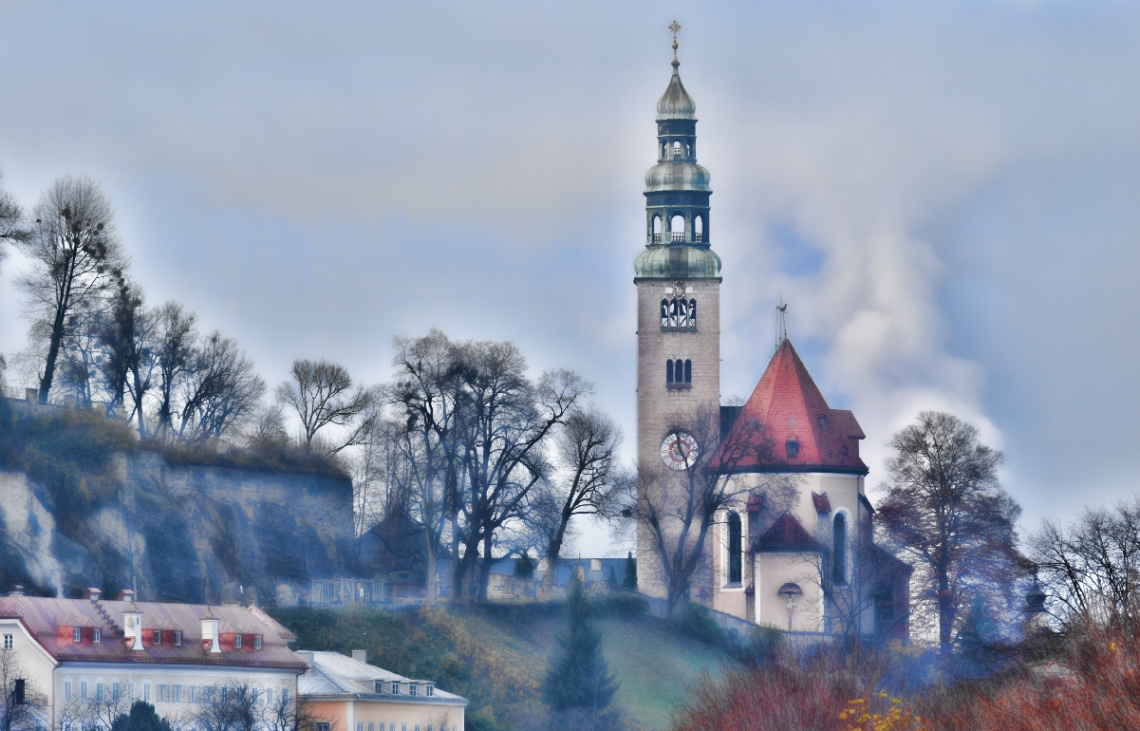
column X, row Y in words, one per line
column 379, row 686
column 77, row 634
column 430, row 690
column 412, row 689
column 96, row 635
column 792, row 448
column 177, row 638
column 395, row 689
column 158, row 638
column 237, row 641
column 257, row 642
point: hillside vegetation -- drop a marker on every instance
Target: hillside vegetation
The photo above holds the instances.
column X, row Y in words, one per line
column 496, row 657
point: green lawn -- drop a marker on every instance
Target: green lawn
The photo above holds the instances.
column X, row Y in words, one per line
column 497, row 656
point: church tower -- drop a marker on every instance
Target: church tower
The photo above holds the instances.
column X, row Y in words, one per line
column 678, row 309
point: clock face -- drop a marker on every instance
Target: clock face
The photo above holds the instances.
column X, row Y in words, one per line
column 679, row 450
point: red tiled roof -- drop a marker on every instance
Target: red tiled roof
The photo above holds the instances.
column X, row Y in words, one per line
column 51, row 622
column 786, row 425
column 786, row 534
column 822, row 504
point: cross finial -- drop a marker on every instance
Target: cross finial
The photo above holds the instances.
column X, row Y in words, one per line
column 675, row 28
column 782, row 322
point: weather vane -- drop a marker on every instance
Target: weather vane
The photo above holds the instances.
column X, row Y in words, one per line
column 675, row 27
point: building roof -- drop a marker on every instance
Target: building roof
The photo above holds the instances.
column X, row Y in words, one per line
column 787, row 426
column 787, row 536
column 676, row 103
column 334, row 674
column 51, row 623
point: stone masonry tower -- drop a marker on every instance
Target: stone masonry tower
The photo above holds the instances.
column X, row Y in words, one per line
column 678, row 313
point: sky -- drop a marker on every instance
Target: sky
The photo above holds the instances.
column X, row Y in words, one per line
column 944, row 192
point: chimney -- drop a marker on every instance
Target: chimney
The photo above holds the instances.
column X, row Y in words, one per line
column 93, row 594
column 132, row 625
column 210, row 632
column 360, row 655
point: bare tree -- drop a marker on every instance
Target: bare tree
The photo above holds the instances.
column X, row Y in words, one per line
column 126, row 341
column 13, row 226
column 174, row 350
column 947, row 513
column 586, row 475
column 228, row 706
column 423, row 456
column 24, row 705
column 504, row 423
column 220, row 389
column 321, row 394
column 1090, row 569
column 77, row 258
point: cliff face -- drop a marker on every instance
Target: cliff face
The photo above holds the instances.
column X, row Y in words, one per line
column 182, row 533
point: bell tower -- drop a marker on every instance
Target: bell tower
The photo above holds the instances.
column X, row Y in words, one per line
column 677, row 276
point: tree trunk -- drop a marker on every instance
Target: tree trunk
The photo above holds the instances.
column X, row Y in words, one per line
column 53, row 354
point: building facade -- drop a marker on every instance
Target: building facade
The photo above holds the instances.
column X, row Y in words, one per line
column 791, row 542
column 82, row 662
column 343, row 693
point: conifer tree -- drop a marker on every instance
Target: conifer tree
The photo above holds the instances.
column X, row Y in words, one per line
column 630, row 581
column 579, row 677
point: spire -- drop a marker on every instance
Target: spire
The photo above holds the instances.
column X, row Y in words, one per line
column 677, row 192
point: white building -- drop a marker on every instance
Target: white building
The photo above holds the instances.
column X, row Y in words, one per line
column 347, row 694
column 87, row 660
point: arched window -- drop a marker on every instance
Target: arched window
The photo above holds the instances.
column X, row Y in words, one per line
column 839, row 549
column 693, row 313
column 668, row 371
column 735, row 554
column 678, row 313
column 657, row 229
column 688, row 371
column 677, row 227
column 676, row 149
column 664, row 313
column 699, row 228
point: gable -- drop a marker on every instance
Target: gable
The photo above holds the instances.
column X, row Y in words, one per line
column 787, row 426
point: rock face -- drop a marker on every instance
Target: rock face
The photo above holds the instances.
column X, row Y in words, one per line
column 183, row 533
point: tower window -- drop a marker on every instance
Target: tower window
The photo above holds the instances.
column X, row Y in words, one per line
column 678, row 313
column 676, row 149
column 792, row 448
column 657, row 229
column 735, row 556
column 677, row 228
column 699, row 229
column 679, row 373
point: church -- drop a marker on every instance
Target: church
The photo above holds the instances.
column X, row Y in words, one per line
column 790, row 541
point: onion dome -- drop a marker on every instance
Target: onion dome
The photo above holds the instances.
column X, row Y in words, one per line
column 663, row 261
column 676, row 103
column 676, row 175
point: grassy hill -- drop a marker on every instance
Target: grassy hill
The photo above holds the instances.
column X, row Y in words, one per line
column 496, row 656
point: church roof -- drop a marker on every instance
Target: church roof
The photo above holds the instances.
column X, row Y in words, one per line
column 787, row 426
column 786, row 535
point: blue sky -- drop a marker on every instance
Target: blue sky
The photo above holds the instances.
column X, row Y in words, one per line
column 945, row 192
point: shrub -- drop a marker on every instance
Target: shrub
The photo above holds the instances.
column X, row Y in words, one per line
column 698, row 623
column 623, row 604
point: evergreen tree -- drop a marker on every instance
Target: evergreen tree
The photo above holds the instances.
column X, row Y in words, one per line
column 579, row 676
column 142, row 717
column 630, row 582
column 611, row 580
